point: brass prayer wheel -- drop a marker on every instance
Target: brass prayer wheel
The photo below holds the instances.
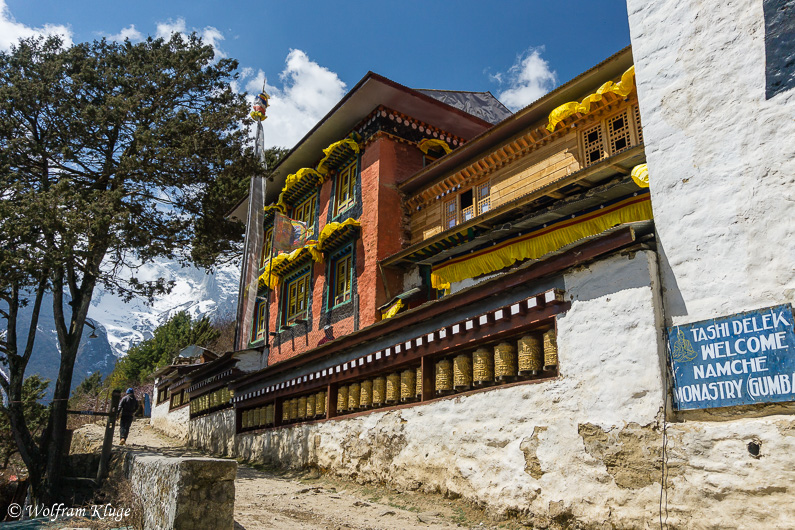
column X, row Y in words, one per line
column 354, row 395
column 310, row 407
column 504, row 362
column 285, row 411
column 366, row 398
column 320, row 403
column 342, row 399
column 550, row 349
column 244, row 419
column 482, row 367
column 418, row 386
column 444, row 377
column 531, row 355
column 269, row 410
column 257, row 417
column 293, row 409
column 301, row 412
column 462, row 372
column 408, row 385
column 393, row 388
column 379, row 391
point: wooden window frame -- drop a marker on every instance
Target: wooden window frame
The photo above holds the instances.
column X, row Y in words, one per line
column 258, row 330
column 306, row 211
column 266, row 248
column 291, row 288
column 478, row 201
column 344, row 194
column 631, row 115
column 343, row 258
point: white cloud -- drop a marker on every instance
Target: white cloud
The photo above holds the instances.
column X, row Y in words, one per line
column 210, row 35
column 527, row 80
column 11, row 30
column 166, row 29
column 127, row 33
column 308, row 91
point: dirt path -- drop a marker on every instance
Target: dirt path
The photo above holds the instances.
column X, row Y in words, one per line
column 273, row 499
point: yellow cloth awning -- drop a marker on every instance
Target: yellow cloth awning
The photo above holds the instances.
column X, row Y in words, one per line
column 541, row 242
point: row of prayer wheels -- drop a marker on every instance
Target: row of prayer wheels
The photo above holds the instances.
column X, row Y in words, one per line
column 398, row 387
column 304, row 408
column 527, row 356
column 259, row 417
column 502, row 363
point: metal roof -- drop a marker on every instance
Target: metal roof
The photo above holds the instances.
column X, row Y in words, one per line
column 481, row 104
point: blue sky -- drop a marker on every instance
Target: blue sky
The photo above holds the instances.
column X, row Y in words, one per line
column 311, row 53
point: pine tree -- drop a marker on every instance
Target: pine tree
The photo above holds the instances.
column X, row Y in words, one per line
column 111, row 155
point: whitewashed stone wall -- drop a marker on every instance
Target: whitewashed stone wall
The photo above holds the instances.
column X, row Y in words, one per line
column 721, row 157
column 172, row 423
column 214, row 432
column 722, row 167
column 586, row 446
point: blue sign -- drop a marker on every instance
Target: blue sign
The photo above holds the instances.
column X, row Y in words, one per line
column 736, row 360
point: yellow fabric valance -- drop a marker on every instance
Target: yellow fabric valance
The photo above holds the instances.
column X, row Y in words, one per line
column 431, row 143
column 332, row 228
column 330, row 151
column 640, row 174
column 394, row 309
column 539, row 243
column 623, row 88
column 271, row 276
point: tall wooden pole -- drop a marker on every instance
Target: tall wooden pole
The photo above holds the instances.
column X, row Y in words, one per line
column 107, row 444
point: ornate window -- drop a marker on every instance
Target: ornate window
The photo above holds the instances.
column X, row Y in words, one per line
column 612, row 135
column 344, row 196
column 305, row 212
column 467, row 205
column 266, row 248
column 259, row 320
column 342, row 271
column 297, row 299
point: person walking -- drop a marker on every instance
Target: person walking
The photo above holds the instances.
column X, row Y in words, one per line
column 127, row 407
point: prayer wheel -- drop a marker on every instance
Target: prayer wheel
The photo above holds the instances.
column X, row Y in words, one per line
column 504, row 362
column 550, row 349
column 379, row 391
column 244, row 419
column 462, row 372
column 531, row 355
column 285, row 411
column 269, row 416
column 342, row 399
column 354, row 395
column 310, row 407
column 256, row 418
column 444, row 377
column 293, row 409
column 320, row 403
column 301, row 412
column 482, row 367
column 418, row 386
column 408, row 385
column 393, row 388
column 366, row 399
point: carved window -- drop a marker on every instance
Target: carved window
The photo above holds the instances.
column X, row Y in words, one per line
column 342, row 270
column 467, row 205
column 297, row 298
column 259, row 319
column 593, row 144
column 618, row 132
column 305, row 212
column 638, row 127
column 344, row 196
column 266, row 248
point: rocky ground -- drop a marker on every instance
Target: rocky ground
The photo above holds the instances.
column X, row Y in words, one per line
column 279, row 499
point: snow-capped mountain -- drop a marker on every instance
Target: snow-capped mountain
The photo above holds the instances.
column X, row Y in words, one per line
column 195, row 291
